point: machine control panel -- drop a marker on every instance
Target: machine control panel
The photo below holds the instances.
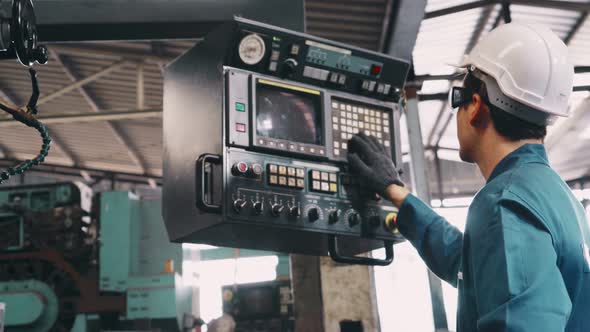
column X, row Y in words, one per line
column 303, row 195
column 257, row 121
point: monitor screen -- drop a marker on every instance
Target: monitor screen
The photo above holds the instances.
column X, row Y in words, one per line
column 288, row 114
column 257, row 301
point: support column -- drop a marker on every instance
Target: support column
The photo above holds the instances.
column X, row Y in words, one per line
column 419, row 174
column 332, row 297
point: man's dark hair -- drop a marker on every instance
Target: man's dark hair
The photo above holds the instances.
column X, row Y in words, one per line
column 507, row 125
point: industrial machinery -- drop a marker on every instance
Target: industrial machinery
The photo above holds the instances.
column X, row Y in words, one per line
column 260, row 307
column 256, row 124
column 66, row 255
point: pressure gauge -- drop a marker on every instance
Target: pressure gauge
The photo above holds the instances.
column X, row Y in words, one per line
column 252, row 49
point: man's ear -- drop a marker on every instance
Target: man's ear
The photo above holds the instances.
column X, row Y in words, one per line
column 479, row 115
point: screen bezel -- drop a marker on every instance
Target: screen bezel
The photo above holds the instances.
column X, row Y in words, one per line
column 314, row 150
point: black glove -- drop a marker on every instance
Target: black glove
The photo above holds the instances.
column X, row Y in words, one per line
column 369, row 160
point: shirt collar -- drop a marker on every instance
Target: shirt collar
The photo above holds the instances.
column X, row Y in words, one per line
column 528, row 153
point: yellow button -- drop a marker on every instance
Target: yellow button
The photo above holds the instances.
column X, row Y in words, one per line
column 391, row 222
column 333, row 187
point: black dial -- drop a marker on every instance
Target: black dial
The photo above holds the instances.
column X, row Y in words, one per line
column 313, row 214
column 240, row 204
column 277, row 209
column 288, row 68
column 354, row 219
column 258, row 207
column 295, row 211
column 334, row 216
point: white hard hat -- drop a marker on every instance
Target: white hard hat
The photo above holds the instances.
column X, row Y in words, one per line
column 530, row 66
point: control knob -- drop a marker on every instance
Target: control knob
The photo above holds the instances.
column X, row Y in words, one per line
column 294, row 211
column 277, row 209
column 334, row 216
column 240, row 204
column 240, row 169
column 258, row 207
column 354, row 219
column 288, row 67
column 313, row 214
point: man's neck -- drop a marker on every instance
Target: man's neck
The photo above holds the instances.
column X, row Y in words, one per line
column 495, row 150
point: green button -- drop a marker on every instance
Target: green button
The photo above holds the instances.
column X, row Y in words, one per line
column 240, row 107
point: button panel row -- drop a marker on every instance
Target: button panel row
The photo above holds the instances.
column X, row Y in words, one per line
column 286, row 176
column 286, row 146
column 324, row 182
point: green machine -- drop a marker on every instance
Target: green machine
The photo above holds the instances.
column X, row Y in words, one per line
column 71, row 260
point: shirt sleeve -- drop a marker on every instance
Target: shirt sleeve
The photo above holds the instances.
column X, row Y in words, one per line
column 518, row 286
column 438, row 242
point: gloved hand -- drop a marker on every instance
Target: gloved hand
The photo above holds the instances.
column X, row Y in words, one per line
column 369, row 160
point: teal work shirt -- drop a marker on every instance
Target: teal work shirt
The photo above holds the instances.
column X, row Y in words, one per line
column 523, row 262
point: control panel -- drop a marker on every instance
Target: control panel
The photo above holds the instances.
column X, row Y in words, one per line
column 257, row 121
column 323, row 63
column 303, row 195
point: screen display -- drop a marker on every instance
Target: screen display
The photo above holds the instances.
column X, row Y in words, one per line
column 287, row 114
column 342, row 59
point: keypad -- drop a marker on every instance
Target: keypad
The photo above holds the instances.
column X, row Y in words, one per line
column 324, row 182
column 286, row 176
column 349, row 119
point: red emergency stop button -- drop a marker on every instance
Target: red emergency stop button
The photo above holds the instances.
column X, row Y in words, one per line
column 375, row 70
column 240, row 169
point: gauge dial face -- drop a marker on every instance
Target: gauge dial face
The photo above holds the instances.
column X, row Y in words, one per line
column 252, row 49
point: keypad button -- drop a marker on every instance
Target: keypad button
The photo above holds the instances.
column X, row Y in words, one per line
column 344, row 146
column 335, row 126
column 336, row 144
column 335, row 119
column 333, row 187
column 355, row 123
column 291, row 171
column 315, row 185
column 325, row 186
column 343, row 135
column 355, row 116
column 325, row 176
column 386, row 130
column 291, row 182
column 300, row 173
column 349, row 108
column 315, row 175
column 282, row 180
column 282, row 170
column 334, row 105
column 272, row 168
column 386, row 143
column 273, row 179
column 336, row 152
column 300, row 183
column 333, row 177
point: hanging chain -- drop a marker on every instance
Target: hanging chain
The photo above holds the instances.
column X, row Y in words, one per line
column 27, row 116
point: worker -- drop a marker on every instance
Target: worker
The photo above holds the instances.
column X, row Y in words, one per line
column 522, row 263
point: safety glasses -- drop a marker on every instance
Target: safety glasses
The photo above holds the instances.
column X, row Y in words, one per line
column 460, row 96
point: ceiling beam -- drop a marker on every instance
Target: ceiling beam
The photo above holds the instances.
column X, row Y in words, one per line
column 554, row 4
column 404, row 24
column 117, row 131
column 576, row 27
column 458, row 8
column 81, row 82
column 109, row 20
column 91, row 117
column 57, row 142
column 113, row 53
